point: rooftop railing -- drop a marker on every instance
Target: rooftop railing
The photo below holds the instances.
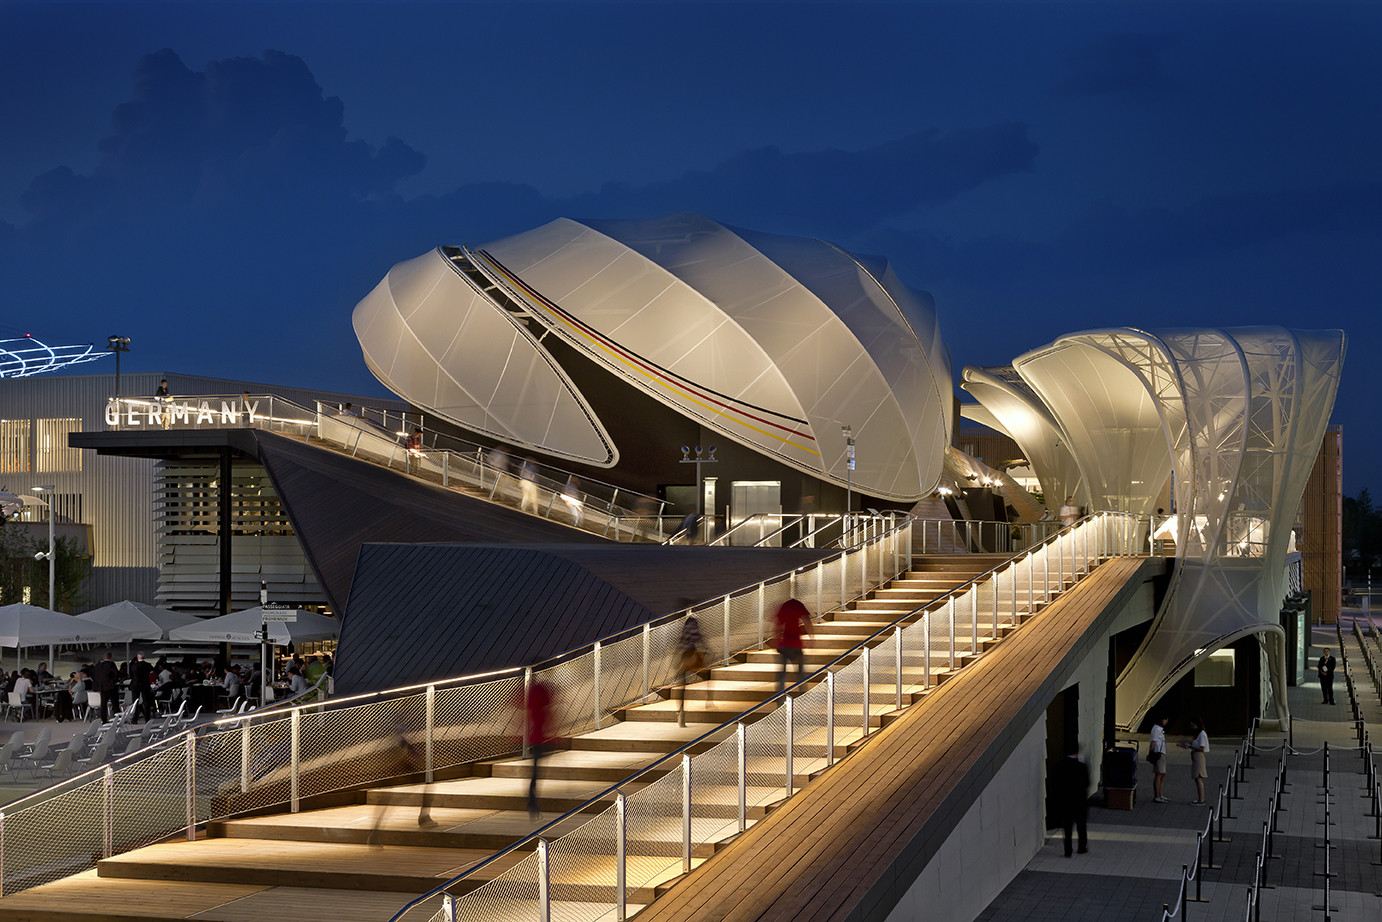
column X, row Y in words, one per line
column 279, row 759
column 368, row 433
column 668, row 816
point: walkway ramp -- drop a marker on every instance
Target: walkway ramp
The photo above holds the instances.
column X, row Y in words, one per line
column 850, row 845
column 363, row 854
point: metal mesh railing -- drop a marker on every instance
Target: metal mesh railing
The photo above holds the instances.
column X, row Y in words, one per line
column 661, row 829
column 275, row 758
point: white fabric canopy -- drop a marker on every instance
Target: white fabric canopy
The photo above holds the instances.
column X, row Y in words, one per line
column 147, row 622
column 30, row 626
column 243, row 627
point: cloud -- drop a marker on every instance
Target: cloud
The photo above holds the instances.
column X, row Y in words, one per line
column 245, row 132
column 831, row 188
column 1120, row 65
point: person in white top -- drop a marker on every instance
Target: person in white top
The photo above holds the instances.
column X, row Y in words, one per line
column 1198, row 747
column 1069, row 513
column 1156, row 754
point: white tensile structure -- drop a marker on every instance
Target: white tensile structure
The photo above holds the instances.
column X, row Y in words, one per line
column 775, row 342
column 1236, row 417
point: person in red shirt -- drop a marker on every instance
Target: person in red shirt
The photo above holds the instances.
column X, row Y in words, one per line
column 793, row 624
column 537, row 706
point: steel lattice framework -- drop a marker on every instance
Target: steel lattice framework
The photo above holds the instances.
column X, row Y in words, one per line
column 1234, row 418
column 24, row 357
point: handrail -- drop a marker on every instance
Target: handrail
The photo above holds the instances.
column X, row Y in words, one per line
column 272, row 412
column 277, row 756
column 829, row 670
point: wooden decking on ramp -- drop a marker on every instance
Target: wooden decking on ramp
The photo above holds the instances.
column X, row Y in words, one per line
column 850, row 845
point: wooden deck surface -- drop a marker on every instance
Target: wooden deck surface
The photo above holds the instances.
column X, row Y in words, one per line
column 851, row 844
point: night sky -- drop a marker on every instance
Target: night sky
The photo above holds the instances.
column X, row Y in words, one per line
column 223, row 182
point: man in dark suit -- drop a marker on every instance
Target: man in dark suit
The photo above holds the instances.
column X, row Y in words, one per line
column 1070, row 788
column 1325, row 667
column 105, row 677
column 140, row 673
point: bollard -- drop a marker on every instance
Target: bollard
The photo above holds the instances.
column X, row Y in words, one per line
column 1267, row 828
column 1199, row 867
column 1326, row 765
column 1184, row 876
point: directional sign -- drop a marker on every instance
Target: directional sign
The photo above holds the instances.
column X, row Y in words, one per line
column 277, row 611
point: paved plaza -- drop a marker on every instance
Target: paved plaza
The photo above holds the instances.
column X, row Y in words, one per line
column 1135, row 858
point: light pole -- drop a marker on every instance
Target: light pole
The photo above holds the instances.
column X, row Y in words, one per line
column 698, row 460
column 51, row 555
column 849, row 468
column 117, row 344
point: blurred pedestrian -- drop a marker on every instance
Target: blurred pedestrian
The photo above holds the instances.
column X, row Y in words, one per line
column 537, row 735
column 1070, row 792
column 691, row 657
column 571, row 495
column 528, row 475
column 793, row 623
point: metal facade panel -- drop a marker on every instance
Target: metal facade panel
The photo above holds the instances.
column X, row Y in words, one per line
column 421, row 612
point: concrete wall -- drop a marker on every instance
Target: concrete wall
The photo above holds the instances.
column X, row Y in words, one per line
column 1005, row 827
column 999, row 834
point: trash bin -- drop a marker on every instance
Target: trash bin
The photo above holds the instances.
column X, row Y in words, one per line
column 1119, row 777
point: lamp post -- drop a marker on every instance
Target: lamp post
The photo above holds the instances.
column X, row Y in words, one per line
column 849, row 468
column 698, row 460
column 51, row 555
column 117, row 344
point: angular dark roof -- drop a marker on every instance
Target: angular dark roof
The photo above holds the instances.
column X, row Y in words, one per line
column 337, row 504
column 419, row 612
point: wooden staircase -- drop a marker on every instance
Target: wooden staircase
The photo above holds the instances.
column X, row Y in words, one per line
column 363, row 854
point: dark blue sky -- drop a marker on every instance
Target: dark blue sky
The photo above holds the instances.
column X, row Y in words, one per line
column 223, row 182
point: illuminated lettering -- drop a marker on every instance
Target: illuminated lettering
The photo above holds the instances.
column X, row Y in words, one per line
column 204, row 414
column 230, row 416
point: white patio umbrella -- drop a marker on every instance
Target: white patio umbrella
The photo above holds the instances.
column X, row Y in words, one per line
column 30, row 626
column 243, row 627
column 148, row 622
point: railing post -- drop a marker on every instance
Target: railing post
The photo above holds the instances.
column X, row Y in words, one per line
column 108, row 812
column 974, row 619
column 725, row 650
column 245, row 758
column 621, row 857
column 743, row 763
column 926, row 648
column 867, row 680
column 295, row 734
column 190, row 775
column 820, row 598
column 597, row 685
column 527, row 691
column 762, row 595
column 1045, row 574
column 791, row 731
column 830, row 718
column 897, row 643
column 950, row 606
column 446, row 469
column 544, row 881
column 1060, row 563
column 429, row 763
column 647, row 658
column 685, row 813
column 2, row 854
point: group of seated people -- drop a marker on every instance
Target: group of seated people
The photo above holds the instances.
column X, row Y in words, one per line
column 67, row 696
column 161, row 683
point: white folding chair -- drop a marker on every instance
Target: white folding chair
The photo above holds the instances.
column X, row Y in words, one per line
column 16, row 702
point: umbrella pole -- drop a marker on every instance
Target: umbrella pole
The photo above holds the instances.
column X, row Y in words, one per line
column 52, row 663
